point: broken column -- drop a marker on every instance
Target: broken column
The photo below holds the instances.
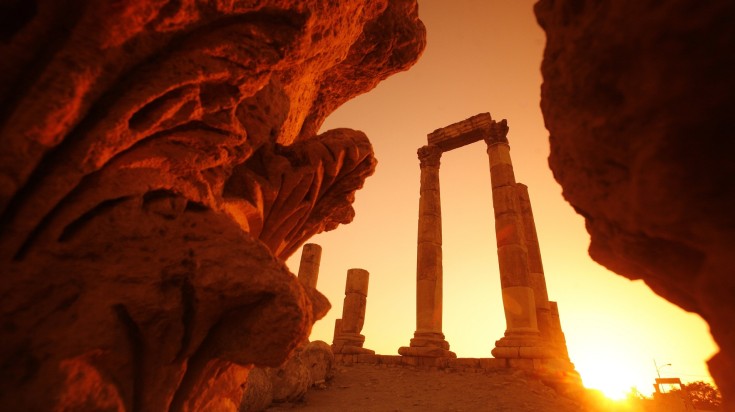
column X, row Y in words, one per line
column 311, row 256
column 535, row 266
column 347, row 337
column 558, row 341
column 549, row 327
column 522, row 338
column 428, row 339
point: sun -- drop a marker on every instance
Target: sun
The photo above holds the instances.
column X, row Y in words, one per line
column 612, row 381
column 615, row 392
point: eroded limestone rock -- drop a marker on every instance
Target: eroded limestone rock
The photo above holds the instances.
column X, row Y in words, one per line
column 319, row 360
column 290, row 381
column 159, row 162
column 638, row 100
column 310, row 365
column 258, row 392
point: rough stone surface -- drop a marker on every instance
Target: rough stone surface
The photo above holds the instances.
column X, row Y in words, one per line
column 290, row 381
column 319, row 360
column 258, row 392
column 376, row 388
column 310, row 365
column 638, row 100
column 158, row 163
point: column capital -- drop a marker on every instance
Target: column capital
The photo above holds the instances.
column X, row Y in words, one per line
column 497, row 133
column 430, row 155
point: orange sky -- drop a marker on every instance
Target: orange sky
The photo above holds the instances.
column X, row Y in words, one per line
column 484, row 56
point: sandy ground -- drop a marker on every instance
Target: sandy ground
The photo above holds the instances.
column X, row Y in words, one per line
column 372, row 388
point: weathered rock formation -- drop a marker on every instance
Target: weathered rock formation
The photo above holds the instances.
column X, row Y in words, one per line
column 158, row 163
column 639, row 100
column 258, row 391
column 310, row 365
column 319, row 360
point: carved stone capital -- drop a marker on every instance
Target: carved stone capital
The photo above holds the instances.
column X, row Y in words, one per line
column 430, row 156
column 498, row 133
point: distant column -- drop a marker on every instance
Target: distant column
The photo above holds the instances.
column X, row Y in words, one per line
column 559, row 342
column 347, row 337
column 535, row 266
column 522, row 335
column 311, row 256
column 428, row 339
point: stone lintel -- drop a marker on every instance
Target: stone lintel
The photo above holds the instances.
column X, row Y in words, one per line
column 462, row 133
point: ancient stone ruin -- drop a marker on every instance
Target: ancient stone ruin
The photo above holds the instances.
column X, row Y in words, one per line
column 159, row 163
column 533, row 340
column 347, row 336
column 533, row 330
column 310, row 364
column 311, row 257
column 638, row 97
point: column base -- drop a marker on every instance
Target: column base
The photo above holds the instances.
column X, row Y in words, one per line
column 426, row 339
column 561, row 375
column 350, row 343
column 523, row 345
column 427, row 344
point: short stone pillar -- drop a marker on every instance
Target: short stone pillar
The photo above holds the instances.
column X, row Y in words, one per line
column 522, row 338
column 347, row 337
column 311, row 256
column 428, row 340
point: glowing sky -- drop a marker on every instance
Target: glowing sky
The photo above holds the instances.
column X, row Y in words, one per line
column 484, row 56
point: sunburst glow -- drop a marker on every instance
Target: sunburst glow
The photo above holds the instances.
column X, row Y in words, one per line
column 611, row 379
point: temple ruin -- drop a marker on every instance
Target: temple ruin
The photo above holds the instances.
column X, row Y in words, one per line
column 533, row 339
column 533, row 327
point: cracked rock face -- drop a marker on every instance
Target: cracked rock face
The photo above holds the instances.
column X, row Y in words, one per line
column 158, row 163
column 638, row 100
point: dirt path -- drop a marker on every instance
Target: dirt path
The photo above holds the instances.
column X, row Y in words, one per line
column 372, row 388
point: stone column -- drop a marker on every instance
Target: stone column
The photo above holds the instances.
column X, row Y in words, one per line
column 522, row 335
column 347, row 337
column 428, row 339
column 311, row 256
column 535, row 266
column 558, row 340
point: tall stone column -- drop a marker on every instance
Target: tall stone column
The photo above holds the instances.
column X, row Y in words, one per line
column 535, row 266
column 347, row 337
column 428, row 339
column 311, row 256
column 522, row 339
